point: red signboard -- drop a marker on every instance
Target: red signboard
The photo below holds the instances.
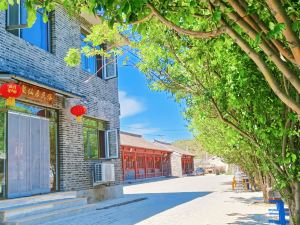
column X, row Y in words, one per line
column 37, row 94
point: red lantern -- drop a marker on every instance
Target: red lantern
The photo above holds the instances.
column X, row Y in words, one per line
column 78, row 111
column 11, row 91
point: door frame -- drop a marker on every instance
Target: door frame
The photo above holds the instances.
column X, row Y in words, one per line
column 5, row 110
column 41, row 189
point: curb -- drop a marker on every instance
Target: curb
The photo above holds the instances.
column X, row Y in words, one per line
column 122, row 203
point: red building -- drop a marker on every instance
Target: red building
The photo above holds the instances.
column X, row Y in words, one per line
column 142, row 159
column 182, row 161
column 187, row 164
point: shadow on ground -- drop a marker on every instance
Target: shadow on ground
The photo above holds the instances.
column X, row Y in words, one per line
column 144, row 181
column 253, row 200
column 156, row 203
column 249, row 219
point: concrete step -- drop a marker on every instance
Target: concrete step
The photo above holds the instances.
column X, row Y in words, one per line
column 20, row 211
column 43, row 217
column 8, row 203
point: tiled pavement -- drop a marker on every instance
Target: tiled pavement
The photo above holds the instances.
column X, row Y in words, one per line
column 204, row 200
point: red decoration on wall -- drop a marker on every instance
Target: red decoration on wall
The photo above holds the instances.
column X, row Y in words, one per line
column 78, row 111
column 11, row 91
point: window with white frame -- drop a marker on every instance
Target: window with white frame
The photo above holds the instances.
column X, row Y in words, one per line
column 99, row 143
column 105, row 68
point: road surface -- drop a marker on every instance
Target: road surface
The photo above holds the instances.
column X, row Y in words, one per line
column 205, row 200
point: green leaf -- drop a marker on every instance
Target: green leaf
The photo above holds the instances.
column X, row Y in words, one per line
column 31, row 13
column 271, row 25
column 73, row 57
column 293, row 157
column 296, row 26
column 45, row 17
column 127, row 8
column 11, row 2
column 217, row 15
column 276, row 30
column 258, row 39
column 3, row 5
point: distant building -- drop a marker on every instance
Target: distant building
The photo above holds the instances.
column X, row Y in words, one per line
column 214, row 165
column 182, row 161
column 143, row 159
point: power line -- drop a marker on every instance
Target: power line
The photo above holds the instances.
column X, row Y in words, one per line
column 149, row 129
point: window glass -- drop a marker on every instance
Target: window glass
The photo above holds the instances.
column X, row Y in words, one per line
column 37, row 35
column 101, row 125
column 90, row 137
column 89, row 64
column 102, row 144
column 94, row 138
column 89, row 122
column 13, row 17
column 53, row 156
column 2, row 154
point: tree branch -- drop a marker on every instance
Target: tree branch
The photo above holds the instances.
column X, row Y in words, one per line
column 264, row 69
column 254, row 21
column 293, row 78
column 143, row 19
column 281, row 17
column 191, row 33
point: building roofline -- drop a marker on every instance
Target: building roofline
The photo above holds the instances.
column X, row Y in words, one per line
column 162, row 142
column 131, row 134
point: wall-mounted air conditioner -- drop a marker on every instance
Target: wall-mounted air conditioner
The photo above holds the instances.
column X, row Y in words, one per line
column 104, row 172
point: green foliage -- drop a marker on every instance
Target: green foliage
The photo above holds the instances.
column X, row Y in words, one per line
column 296, row 26
column 3, row 4
column 73, row 57
column 199, row 72
column 275, row 30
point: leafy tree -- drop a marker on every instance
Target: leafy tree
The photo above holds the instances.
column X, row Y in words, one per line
column 219, row 82
column 200, row 50
column 267, row 31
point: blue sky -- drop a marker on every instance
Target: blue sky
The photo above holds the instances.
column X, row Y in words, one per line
column 155, row 115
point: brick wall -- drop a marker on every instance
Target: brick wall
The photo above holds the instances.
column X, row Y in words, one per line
column 100, row 96
column 176, row 167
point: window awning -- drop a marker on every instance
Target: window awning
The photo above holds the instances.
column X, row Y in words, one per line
column 48, row 83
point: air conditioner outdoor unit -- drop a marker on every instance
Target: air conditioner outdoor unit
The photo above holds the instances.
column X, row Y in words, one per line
column 104, row 172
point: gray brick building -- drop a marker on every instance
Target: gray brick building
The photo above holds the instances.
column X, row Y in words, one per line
column 34, row 58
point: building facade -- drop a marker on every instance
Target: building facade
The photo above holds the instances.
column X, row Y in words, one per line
column 182, row 161
column 43, row 148
column 142, row 159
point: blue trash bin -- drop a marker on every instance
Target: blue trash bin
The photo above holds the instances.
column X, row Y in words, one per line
column 280, row 207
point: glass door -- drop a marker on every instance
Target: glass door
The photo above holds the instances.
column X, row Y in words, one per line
column 2, row 153
column 28, row 170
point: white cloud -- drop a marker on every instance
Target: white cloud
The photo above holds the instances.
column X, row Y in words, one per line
column 130, row 106
column 141, row 128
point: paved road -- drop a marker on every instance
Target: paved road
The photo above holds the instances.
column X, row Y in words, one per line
column 204, row 200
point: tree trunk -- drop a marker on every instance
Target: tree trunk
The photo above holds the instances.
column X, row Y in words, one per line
column 291, row 206
column 292, row 198
column 252, row 183
column 296, row 214
column 264, row 190
column 263, row 187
